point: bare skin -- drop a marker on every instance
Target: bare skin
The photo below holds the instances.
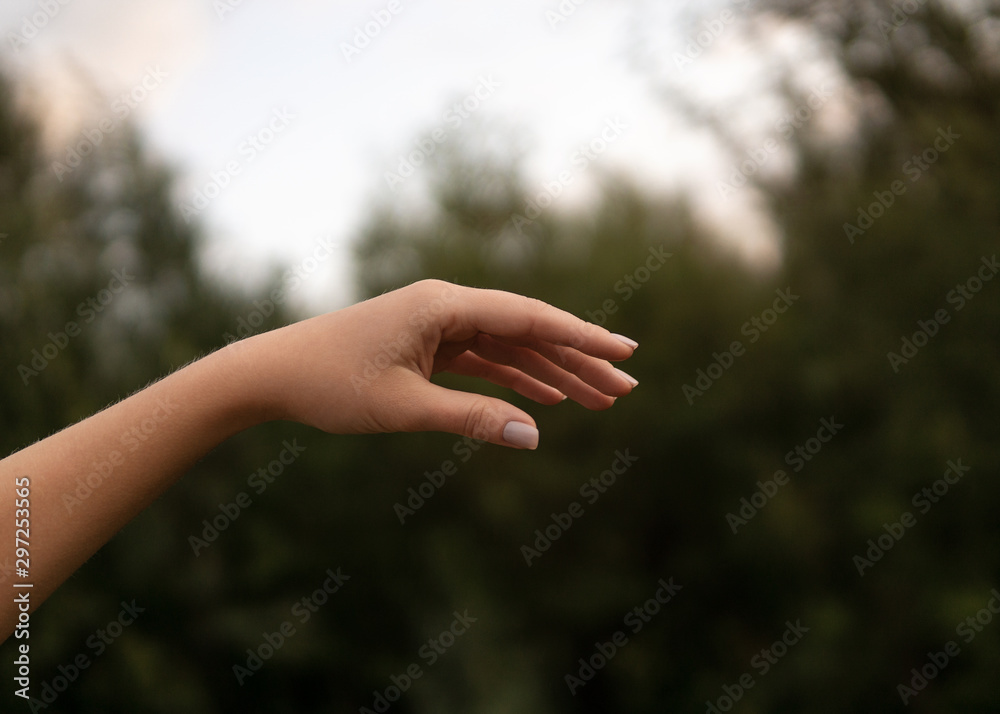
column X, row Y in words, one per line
column 363, row 369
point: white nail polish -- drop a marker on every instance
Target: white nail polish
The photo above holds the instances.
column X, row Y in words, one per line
column 628, row 377
column 625, row 340
column 521, row 435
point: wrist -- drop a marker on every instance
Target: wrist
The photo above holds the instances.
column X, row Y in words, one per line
column 241, row 372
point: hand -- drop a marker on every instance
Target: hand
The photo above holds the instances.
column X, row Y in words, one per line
column 363, row 369
column 367, row 368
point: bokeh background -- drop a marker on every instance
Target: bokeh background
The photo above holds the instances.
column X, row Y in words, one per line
column 841, row 152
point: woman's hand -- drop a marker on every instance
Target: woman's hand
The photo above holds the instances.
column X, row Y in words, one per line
column 363, row 369
column 367, row 368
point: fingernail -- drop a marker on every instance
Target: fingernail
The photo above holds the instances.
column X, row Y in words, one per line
column 520, row 435
column 628, row 377
column 622, row 338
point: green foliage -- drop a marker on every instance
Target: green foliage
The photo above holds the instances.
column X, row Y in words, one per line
column 664, row 517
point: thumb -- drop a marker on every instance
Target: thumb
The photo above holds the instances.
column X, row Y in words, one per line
column 474, row 415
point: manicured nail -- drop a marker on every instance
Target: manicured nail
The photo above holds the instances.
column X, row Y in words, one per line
column 622, row 338
column 521, row 435
column 628, row 377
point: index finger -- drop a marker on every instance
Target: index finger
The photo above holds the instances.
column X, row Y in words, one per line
column 509, row 315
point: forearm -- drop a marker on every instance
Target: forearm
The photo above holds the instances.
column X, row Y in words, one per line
column 89, row 480
column 364, row 369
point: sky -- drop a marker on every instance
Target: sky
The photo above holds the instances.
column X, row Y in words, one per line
column 282, row 119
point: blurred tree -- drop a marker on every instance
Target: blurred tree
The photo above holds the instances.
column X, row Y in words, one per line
column 926, row 83
column 693, row 455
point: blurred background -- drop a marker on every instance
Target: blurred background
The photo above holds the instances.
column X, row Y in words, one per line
column 792, row 207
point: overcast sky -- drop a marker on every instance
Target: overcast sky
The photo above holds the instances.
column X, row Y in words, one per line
column 263, row 97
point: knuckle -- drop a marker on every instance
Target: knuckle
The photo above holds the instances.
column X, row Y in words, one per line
column 429, row 285
column 435, row 297
column 586, row 332
column 534, row 310
column 536, row 307
column 482, row 422
column 434, row 288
